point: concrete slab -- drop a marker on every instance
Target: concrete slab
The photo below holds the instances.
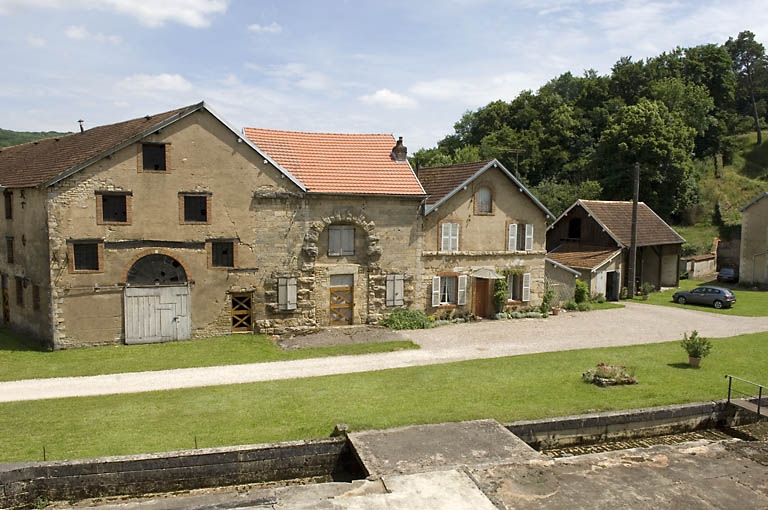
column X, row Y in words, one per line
column 699, row 475
column 421, row 448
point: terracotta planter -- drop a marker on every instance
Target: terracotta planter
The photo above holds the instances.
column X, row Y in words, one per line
column 555, row 310
column 694, row 362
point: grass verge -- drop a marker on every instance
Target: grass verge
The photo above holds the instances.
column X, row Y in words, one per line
column 20, row 361
column 749, row 303
column 506, row 389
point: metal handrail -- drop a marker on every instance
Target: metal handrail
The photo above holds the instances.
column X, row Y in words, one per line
column 760, row 389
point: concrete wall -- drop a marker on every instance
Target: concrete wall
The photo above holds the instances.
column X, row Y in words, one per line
column 22, row 484
column 483, row 237
column 630, row 424
column 562, row 282
column 753, row 259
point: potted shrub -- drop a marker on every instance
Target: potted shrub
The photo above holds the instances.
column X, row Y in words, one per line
column 697, row 347
column 646, row 289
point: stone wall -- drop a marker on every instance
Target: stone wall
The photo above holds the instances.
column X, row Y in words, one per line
column 22, row 484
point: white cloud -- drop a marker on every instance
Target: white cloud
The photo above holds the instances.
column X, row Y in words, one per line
column 272, row 28
column 80, row 33
column 388, row 99
column 297, row 74
column 164, row 82
column 193, row 13
column 35, row 42
column 479, row 90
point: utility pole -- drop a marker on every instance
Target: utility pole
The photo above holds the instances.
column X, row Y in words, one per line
column 633, row 245
column 516, row 152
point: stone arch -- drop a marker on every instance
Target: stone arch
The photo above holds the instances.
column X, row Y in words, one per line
column 156, row 267
column 344, row 217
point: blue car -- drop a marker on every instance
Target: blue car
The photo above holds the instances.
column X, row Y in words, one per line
column 718, row 297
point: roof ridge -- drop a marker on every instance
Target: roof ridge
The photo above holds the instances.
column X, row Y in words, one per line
column 316, row 132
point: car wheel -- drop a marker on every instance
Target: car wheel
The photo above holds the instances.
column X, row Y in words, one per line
column 681, row 300
column 717, row 304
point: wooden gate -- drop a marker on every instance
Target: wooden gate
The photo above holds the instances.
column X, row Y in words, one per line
column 6, row 305
column 342, row 302
column 242, row 315
column 156, row 314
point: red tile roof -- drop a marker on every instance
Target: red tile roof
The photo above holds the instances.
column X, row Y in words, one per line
column 616, row 217
column 339, row 163
column 439, row 181
column 38, row 162
column 581, row 256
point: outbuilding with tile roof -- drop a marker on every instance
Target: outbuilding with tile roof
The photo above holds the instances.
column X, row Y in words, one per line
column 595, row 237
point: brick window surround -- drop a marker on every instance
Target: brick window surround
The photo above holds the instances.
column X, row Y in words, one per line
column 85, row 255
column 194, row 208
column 154, row 157
column 221, row 253
column 114, row 207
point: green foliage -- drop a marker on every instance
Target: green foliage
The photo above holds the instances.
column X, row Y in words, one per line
column 584, row 306
column 8, row 138
column 647, row 288
column 559, row 196
column 570, row 305
column 696, row 346
column 605, row 375
column 500, row 293
column 581, row 293
column 407, row 319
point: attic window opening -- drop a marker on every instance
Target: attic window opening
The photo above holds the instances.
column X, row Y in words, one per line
column 153, row 156
column 574, row 228
column 483, row 201
column 194, row 208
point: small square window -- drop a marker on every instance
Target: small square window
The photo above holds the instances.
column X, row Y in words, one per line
column 195, row 208
column 114, row 207
column 85, row 256
column 222, row 254
column 153, row 157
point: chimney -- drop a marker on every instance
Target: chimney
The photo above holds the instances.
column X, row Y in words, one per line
column 399, row 151
column 81, row 125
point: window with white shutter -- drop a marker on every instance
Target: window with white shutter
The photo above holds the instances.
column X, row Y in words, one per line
column 512, row 237
column 461, row 298
column 394, row 290
column 435, row 291
column 449, row 240
column 529, row 236
column 286, row 294
column 526, row 287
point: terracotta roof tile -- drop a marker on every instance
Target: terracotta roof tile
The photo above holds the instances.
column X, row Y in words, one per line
column 38, row 162
column 617, row 218
column 439, row 181
column 581, row 256
column 339, row 163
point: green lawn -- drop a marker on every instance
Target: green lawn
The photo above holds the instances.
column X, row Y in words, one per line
column 749, row 303
column 19, row 360
column 507, row 389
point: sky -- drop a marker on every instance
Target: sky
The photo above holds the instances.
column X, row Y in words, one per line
column 409, row 68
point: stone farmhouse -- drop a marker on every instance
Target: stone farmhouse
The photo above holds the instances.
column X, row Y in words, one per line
column 594, row 238
column 753, row 259
column 176, row 225
column 480, row 224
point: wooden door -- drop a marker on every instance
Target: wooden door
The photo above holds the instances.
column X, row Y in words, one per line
column 242, row 314
column 156, row 314
column 482, row 298
column 6, row 305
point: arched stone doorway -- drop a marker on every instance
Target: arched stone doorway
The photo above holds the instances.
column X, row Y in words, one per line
column 157, row 307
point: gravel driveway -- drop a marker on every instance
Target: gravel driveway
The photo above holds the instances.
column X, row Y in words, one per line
column 634, row 324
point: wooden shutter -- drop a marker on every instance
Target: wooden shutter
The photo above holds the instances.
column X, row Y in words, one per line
column 461, row 298
column 334, row 241
column 394, row 290
column 435, row 291
column 527, row 287
column 286, row 293
column 528, row 236
column 512, row 237
column 347, row 240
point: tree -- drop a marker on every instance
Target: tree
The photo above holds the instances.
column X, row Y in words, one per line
column 748, row 60
column 558, row 196
column 648, row 133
